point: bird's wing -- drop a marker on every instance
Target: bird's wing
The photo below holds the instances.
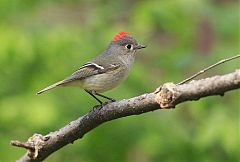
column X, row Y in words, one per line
column 87, row 70
column 90, row 69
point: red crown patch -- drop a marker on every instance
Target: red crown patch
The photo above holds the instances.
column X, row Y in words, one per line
column 120, row 35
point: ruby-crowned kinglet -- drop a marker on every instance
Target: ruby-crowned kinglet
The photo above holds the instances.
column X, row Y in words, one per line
column 107, row 70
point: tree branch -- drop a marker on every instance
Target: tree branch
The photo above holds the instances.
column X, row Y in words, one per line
column 167, row 96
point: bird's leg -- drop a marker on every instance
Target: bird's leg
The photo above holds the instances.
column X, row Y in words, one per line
column 94, row 96
column 93, row 93
column 98, row 94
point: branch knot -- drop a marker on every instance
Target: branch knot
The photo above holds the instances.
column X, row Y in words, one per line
column 33, row 145
column 166, row 95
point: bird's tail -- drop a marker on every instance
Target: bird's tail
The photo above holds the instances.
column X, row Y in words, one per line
column 52, row 86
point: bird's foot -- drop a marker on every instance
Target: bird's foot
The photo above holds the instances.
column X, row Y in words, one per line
column 99, row 107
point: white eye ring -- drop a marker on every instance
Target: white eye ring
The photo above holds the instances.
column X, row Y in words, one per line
column 129, row 46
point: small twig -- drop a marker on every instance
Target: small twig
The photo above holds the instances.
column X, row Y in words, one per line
column 24, row 145
column 208, row 68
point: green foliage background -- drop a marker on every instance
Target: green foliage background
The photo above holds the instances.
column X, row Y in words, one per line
column 43, row 41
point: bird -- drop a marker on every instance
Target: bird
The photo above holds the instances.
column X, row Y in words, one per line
column 106, row 71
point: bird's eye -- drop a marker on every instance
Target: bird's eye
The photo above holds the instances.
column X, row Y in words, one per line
column 128, row 46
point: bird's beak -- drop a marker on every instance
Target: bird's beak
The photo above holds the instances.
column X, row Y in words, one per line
column 139, row 47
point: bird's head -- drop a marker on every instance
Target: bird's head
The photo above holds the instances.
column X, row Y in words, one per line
column 124, row 44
